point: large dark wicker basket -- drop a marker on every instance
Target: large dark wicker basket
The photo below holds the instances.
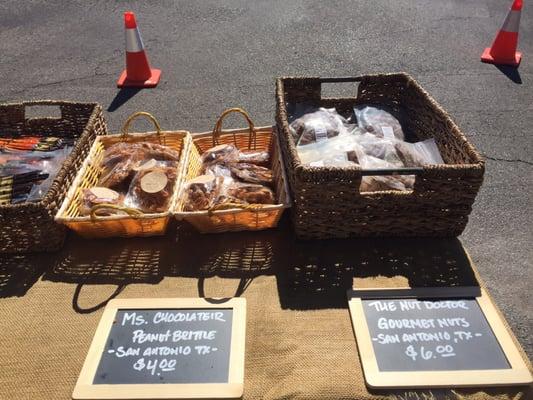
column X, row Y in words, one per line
column 327, row 201
column 30, row 227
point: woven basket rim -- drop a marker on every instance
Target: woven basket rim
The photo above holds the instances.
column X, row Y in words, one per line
column 47, row 102
column 401, row 74
column 272, row 129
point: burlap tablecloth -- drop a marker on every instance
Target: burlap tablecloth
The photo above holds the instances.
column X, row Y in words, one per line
column 299, row 339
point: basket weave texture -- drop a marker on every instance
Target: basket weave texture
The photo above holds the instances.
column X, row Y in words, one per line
column 254, row 217
column 327, row 200
column 131, row 222
column 30, row 227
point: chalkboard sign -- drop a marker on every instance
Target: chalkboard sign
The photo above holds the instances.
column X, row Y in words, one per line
column 417, row 335
column 454, row 341
column 168, row 348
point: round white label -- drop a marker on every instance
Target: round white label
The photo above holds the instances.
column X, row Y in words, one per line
column 154, row 182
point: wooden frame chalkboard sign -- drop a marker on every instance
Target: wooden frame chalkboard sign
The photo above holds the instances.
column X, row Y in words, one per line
column 182, row 349
column 402, row 342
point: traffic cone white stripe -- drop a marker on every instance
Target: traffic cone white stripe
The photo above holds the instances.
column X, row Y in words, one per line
column 134, row 42
column 512, row 21
column 503, row 49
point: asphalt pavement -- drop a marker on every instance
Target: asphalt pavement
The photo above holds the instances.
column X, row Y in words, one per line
column 215, row 54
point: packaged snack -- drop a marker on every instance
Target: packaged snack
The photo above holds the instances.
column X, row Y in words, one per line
column 115, row 154
column 251, row 173
column 151, row 189
column 419, row 154
column 383, row 182
column 217, row 170
column 200, row 193
column 49, row 166
column 28, row 175
column 121, row 158
column 224, row 153
column 254, row 157
column 156, row 151
column 378, row 122
column 252, row 194
column 29, row 143
column 120, row 174
column 377, row 147
column 339, row 151
column 139, row 151
column 99, row 195
column 317, row 126
column 244, row 193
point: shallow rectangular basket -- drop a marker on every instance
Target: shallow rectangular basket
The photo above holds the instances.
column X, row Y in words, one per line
column 327, row 200
column 30, row 227
column 133, row 222
column 254, row 217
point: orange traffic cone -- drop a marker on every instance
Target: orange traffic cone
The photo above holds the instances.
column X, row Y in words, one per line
column 503, row 50
column 138, row 72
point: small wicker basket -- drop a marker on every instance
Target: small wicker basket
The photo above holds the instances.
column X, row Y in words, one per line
column 30, row 227
column 255, row 216
column 134, row 223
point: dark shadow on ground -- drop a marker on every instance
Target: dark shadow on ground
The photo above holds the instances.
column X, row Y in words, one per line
column 309, row 274
column 111, row 261
column 510, row 72
column 123, row 96
column 320, row 272
column 19, row 272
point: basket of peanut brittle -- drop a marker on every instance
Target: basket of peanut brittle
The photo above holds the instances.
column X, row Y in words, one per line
column 235, row 179
column 128, row 184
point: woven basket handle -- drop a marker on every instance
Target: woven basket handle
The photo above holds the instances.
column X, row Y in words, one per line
column 217, row 130
column 130, row 211
column 126, row 127
column 228, row 206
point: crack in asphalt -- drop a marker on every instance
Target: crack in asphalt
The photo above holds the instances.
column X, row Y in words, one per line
column 516, row 160
column 79, row 78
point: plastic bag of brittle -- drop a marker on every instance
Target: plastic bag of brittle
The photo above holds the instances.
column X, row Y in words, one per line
column 223, row 153
column 98, row 195
column 121, row 151
column 200, row 192
column 122, row 160
column 235, row 194
column 152, row 187
column 245, row 172
column 257, row 157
